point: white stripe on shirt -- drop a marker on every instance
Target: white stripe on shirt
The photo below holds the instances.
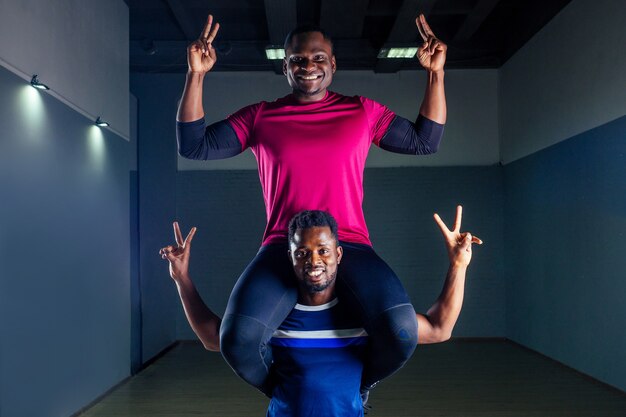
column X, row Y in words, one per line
column 321, row 307
column 320, row 334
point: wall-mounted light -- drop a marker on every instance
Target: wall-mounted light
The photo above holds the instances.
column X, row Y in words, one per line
column 100, row 122
column 38, row 85
column 274, row 52
column 404, row 52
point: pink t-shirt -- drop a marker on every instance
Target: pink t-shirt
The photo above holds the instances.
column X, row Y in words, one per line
column 311, row 157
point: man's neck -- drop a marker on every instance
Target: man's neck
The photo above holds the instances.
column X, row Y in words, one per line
column 305, row 99
column 316, row 298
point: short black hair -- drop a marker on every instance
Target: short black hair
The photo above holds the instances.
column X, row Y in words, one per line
column 312, row 218
column 306, row 29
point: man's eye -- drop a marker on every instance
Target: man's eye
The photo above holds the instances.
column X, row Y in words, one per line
column 324, row 252
column 299, row 254
column 320, row 58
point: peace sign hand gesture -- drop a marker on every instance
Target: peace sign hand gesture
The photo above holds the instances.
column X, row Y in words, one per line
column 200, row 54
column 459, row 245
column 432, row 53
column 178, row 255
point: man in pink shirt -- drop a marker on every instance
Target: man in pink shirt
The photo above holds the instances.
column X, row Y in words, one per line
column 311, row 147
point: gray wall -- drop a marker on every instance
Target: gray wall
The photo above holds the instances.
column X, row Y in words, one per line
column 565, row 231
column 399, row 205
column 156, row 184
column 64, row 235
column 566, row 203
column 78, row 48
column 136, row 349
column 567, row 79
column 64, row 211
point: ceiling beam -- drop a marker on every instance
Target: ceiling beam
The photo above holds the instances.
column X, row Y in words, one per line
column 474, row 20
column 308, row 12
column 189, row 26
column 281, row 16
column 404, row 30
column 343, row 19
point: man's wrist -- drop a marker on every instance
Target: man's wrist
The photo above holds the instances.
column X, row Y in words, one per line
column 197, row 76
column 458, row 265
column 183, row 280
column 435, row 76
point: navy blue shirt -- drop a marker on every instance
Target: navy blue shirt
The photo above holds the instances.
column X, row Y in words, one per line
column 318, row 358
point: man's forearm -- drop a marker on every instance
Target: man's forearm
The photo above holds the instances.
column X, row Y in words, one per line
column 203, row 321
column 434, row 104
column 438, row 322
column 190, row 108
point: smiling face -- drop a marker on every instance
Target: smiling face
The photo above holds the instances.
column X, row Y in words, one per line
column 309, row 65
column 315, row 256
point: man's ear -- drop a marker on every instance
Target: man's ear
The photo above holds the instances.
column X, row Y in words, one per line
column 339, row 254
column 333, row 64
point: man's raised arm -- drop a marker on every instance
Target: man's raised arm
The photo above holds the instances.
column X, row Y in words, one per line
column 432, row 56
column 436, row 325
column 195, row 139
column 423, row 136
column 201, row 57
column 203, row 321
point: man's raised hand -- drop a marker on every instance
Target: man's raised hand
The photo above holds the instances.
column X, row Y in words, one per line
column 178, row 255
column 200, row 54
column 459, row 245
column 432, row 53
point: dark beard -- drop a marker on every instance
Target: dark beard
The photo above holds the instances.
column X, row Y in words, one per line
column 313, row 288
column 306, row 93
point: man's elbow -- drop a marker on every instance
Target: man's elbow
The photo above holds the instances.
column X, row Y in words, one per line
column 210, row 338
column 445, row 336
column 430, row 144
column 427, row 135
column 431, row 149
column 441, row 335
column 188, row 152
column 211, row 346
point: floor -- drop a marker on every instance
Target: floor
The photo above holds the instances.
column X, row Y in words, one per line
column 469, row 378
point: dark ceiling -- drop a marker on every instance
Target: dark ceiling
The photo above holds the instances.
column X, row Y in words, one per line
column 479, row 33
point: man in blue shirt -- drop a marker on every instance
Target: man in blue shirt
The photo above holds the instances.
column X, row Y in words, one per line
column 318, row 351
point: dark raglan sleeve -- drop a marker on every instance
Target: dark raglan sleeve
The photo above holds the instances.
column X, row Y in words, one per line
column 397, row 134
column 419, row 138
column 220, row 140
column 198, row 141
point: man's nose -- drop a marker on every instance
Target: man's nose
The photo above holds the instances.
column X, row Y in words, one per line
column 313, row 258
column 309, row 65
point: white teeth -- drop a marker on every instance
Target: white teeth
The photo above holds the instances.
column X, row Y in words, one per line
column 308, row 77
column 315, row 273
